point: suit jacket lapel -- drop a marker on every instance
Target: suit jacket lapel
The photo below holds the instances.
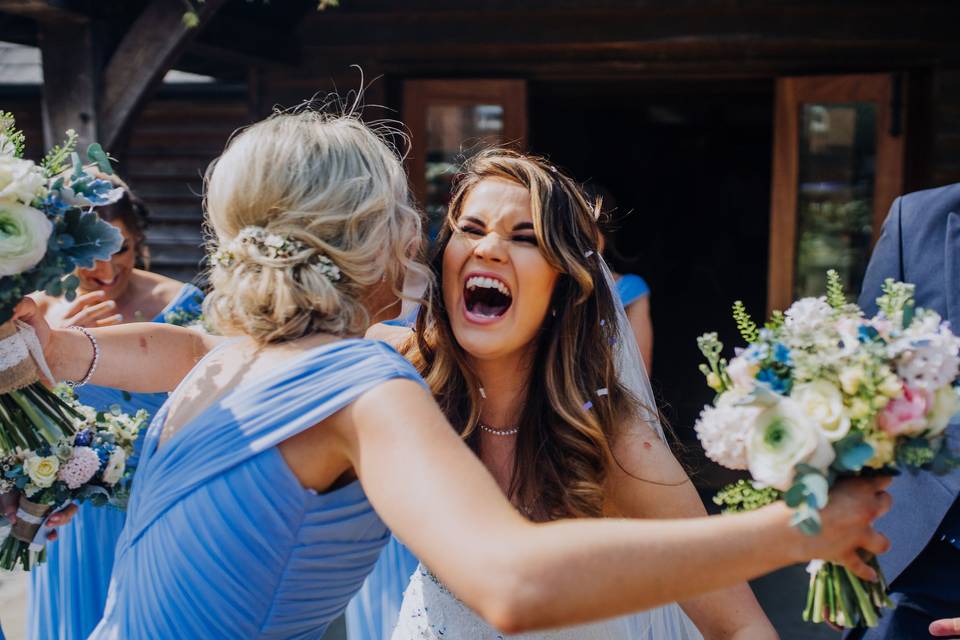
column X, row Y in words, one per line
column 952, row 272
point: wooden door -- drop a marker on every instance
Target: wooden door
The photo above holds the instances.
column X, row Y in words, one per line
column 449, row 120
column 837, row 167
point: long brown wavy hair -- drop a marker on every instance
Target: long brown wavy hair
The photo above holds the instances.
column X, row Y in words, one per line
column 568, row 422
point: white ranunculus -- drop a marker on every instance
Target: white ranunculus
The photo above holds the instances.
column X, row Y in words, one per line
column 945, row 405
column 24, row 232
column 783, row 437
column 823, row 402
column 20, row 180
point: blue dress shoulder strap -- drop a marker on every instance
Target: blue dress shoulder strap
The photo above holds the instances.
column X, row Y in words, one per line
column 255, row 417
column 631, row 288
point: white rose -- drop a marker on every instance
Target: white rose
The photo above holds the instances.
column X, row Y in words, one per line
column 784, row 436
column 20, row 180
column 116, row 465
column 24, row 232
column 42, row 470
column 945, row 405
column 823, row 402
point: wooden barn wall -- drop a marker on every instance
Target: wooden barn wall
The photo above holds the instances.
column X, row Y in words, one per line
column 171, row 143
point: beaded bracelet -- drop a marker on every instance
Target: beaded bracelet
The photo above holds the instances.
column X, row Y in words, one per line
column 93, row 365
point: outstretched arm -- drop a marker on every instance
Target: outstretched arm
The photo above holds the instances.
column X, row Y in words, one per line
column 646, row 481
column 139, row 357
column 440, row 500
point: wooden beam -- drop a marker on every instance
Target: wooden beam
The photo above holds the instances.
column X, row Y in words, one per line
column 44, row 10
column 70, row 81
column 146, row 52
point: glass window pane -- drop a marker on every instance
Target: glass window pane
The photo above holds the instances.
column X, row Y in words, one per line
column 835, row 194
column 454, row 133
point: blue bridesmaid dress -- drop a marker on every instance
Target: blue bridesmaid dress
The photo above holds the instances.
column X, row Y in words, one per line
column 222, row 541
column 631, row 288
column 68, row 592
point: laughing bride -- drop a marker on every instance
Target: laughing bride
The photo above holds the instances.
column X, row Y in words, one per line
column 519, row 350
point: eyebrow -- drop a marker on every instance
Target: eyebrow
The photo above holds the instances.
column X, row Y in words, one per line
column 520, row 226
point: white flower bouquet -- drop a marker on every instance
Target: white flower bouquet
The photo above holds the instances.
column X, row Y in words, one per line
column 820, row 393
column 96, row 465
column 47, row 229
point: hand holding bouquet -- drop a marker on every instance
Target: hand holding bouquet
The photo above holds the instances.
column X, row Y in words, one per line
column 47, row 229
column 94, row 465
column 821, row 393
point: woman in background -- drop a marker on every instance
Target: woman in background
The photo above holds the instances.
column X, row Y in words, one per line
column 68, row 592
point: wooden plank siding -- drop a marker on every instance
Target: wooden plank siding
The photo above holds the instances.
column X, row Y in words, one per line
column 171, row 143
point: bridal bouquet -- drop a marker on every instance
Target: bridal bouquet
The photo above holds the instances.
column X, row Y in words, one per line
column 47, row 229
column 822, row 392
column 93, row 465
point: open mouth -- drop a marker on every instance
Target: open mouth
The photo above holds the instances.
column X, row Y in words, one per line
column 105, row 283
column 486, row 297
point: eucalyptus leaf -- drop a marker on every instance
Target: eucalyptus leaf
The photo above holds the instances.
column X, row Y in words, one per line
column 96, row 154
column 807, row 521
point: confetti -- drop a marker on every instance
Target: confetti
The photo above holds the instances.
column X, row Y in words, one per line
column 602, row 322
column 587, row 406
column 603, row 392
column 483, row 394
column 588, row 254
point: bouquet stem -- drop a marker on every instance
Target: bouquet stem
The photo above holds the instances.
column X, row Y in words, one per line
column 840, row 598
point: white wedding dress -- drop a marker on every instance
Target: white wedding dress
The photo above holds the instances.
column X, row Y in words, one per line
column 430, row 611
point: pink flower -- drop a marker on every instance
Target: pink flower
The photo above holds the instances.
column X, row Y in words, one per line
column 905, row 415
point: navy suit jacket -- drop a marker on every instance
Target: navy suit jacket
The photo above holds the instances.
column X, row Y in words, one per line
column 920, row 244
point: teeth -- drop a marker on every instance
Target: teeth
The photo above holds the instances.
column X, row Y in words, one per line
column 487, row 283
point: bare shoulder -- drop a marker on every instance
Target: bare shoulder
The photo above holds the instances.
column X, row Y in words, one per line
column 159, row 286
column 392, row 335
column 646, row 479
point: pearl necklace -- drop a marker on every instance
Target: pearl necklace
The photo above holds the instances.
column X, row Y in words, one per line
column 498, row 432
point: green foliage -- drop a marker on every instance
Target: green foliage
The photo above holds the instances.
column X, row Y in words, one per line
column 11, row 135
column 743, row 495
column 716, row 368
column 836, row 298
column 896, row 298
column 915, row 453
column 852, row 452
column 57, row 159
column 745, row 324
column 776, row 320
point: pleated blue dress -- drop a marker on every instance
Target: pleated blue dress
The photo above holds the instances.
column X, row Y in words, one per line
column 68, row 592
column 221, row 540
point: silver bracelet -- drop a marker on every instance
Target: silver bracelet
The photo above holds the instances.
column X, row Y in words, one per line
column 93, row 365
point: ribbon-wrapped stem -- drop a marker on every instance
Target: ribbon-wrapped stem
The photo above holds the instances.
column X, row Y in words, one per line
column 31, row 415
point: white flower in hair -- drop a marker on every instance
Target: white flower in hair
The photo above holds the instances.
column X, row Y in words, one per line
column 273, row 246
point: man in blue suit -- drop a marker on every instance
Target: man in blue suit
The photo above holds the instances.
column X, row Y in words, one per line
column 920, row 244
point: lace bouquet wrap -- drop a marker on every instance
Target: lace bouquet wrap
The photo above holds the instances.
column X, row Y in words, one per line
column 95, row 465
column 822, row 392
column 48, row 228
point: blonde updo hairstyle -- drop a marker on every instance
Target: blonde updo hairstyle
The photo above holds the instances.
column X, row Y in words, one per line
column 330, row 183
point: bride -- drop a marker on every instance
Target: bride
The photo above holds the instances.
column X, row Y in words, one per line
column 521, row 349
column 256, row 509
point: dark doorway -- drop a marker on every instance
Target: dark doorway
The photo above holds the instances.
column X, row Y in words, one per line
column 688, row 164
